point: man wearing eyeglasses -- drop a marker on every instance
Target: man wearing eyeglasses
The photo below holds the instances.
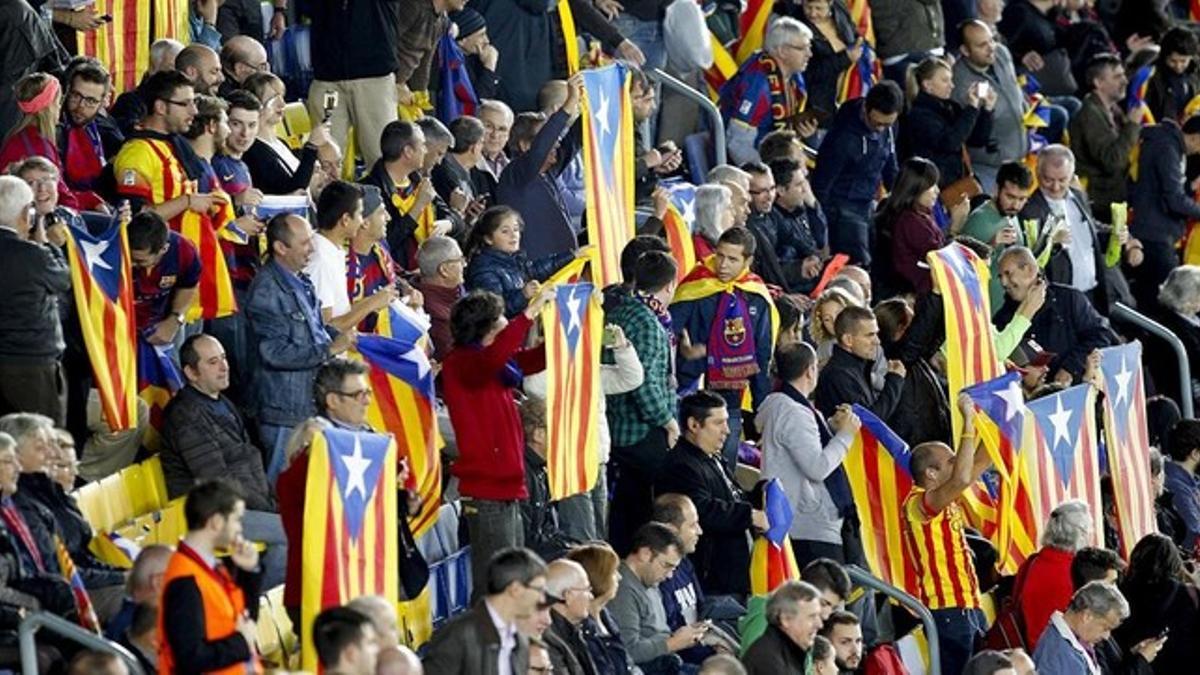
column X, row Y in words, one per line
column 88, row 139
column 241, row 57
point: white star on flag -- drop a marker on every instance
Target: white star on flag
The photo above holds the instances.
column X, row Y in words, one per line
column 93, row 252
column 573, row 306
column 356, row 466
column 1013, row 400
column 417, row 357
column 1123, row 378
column 602, row 114
column 1060, row 418
column 688, row 210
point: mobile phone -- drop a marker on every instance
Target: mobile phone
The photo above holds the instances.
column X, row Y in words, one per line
column 610, row 336
column 1165, row 632
column 328, row 105
column 984, row 89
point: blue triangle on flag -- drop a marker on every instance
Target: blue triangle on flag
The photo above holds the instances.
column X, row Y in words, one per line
column 571, row 301
column 356, row 459
column 1060, row 418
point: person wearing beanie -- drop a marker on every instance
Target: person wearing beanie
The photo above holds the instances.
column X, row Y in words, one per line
column 369, row 265
column 482, row 55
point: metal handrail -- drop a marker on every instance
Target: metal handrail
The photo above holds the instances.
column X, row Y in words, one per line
column 60, row 626
column 1126, row 313
column 863, row 578
column 706, row 104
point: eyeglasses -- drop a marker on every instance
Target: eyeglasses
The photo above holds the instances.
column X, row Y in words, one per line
column 582, row 589
column 362, row 395
column 542, row 669
column 187, row 103
column 540, row 589
column 800, row 48
column 763, row 190
column 88, row 101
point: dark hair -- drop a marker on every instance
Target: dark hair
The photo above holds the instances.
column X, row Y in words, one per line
column 161, row 86
column 849, row 318
column 147, row 231
column 987, row 662
column 792, row 361
column 338, row 199
column 188, row 356
column 473, row 315
column 758, row 168
column 827, row 575
column 524, row 128
column 513, row 565
column 739, row 236
column 654, row 271
column 1184, row 439
column 331, row 375
column 207, row 499
column 783, row 170
column 278, row 230
column 489, row 222
column 776, row 145
column 145, row 619
column 790, row 314
column 891, row 315
column 980, row 249
column 467, row 131
column 1096, row 67
column 698, row 406
column 191, row 56
column 1178, row 40
column 638, row 78
column 1162, row 413
column 668, row 508
column 243, row 100
column 657, row 537
column 394, row 138
column 334, row 630
column 822, row 648
column 885, row 98
column 89, row 70
column 643, row 243
column 1015, row 173
column 1092, row 564
column 839, row 617
column 917, row 175
column 208, row 110
column 1191, row 126
column 1154, row 565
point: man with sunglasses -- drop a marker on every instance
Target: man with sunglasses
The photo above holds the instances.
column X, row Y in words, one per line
column 88, row 139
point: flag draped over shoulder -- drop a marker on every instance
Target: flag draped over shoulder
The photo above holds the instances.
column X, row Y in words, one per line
column 703, row 282
column 158, row 380
column 456, row 95
column 573, row 326
column 1065, row 463
column 350, row 544
column 880, row 479
column 1127, row 442
column 608, row 167
column 83, row 601
column 772, row 561
column 403, row 404
column 102, row 283
column 677, row 226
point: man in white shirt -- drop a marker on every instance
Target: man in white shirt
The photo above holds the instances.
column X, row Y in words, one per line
column 339, row 216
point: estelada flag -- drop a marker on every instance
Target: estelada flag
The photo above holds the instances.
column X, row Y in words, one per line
column 677, row 226
column 608, row 167
column 722, row 69
column 860, row 13
column 83, row 601
column 102, row 283
column 1066, row 462
column 158, row 380
column 859, row 76
column 877, row 466
column 753, row 27
column 1128, row 442
column 772, row 561
column 350, row 544
column 573, row 325
column 403, row 403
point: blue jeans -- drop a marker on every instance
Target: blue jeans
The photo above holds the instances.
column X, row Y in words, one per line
column 850, row 230
column 267, row 528
column 274, row 439
column 958, row 629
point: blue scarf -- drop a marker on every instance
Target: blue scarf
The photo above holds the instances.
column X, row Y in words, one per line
column 836, row 483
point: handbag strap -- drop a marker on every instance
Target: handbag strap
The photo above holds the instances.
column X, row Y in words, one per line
column 968, row 170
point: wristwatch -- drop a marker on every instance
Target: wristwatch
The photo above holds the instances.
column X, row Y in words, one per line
column 180, row 318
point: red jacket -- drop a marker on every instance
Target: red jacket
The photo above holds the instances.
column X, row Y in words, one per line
column 27, row 143
column 1043, row 585
column 487, row 427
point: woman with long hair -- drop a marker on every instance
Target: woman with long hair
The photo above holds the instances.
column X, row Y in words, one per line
column 1161, row 595
column 274, row 168
column 600, row 630
column 497, row 264
column 39, row 97
column 938, row 127
column 908, row 221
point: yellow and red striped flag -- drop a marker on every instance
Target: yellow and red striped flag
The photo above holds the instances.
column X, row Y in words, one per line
column 83, row 601
column 102, row 283
column 573, row 325
column 772, row 561
column 722, row 69
column 1128, row 443
column 677, row 227
column 350, row 544
column 877, row 466
column 123, row 44
column 860, row 14
column 753, row 27
column 608, row 167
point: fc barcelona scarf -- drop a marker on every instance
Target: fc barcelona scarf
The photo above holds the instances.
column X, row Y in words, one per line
column 789, row 96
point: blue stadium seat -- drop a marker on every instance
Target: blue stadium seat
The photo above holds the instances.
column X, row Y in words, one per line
column 698, row 150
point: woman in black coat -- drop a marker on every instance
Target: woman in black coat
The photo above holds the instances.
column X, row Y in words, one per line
column 835, row 45
column 1179, row 310
column 1161, row 595
column 937, row 127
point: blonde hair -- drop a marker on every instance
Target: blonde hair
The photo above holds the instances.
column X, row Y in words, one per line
column 832, row 295
column 46, row 119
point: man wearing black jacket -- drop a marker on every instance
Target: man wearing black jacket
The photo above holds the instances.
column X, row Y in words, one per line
column 846, row 378
column 1067, row 325
column 539, row 515
column 694, row 468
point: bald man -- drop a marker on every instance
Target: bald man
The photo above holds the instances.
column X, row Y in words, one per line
column 241, row 57
column 143, row 586
column 567, row 581
column 398, row 660
column 383, row 617
column 201, row 65
column 129, row 108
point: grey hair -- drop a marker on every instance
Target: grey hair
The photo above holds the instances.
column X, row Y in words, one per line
column 784, row 600
column 163, row 53
column 1069, row 527
column 20, row 425
column 435, row 251
column 496, row 106
column 783, row 29
column 15, row 198
column 435, row 131
column 7, row 442
column 710, row 201
column 1100, row 598
column 1181, row 291
column 563, row 574
column 1054, row 155
column 728, row 173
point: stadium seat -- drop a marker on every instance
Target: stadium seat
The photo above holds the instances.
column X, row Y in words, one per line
column 270, row 645
column 155, row 480
column 90, row 499
column 141, row 494
column 287, row 632
column 295, row 125
column 171, row 524
column 116, row 497
column 697, row 148
column 746, row 476
column 413, row 617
